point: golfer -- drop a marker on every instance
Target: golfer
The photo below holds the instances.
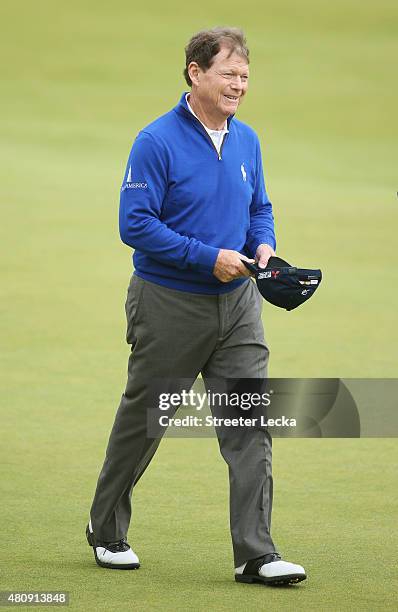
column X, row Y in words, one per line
column 193, row 204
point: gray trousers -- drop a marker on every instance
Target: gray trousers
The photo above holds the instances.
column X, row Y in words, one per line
column 177, row 335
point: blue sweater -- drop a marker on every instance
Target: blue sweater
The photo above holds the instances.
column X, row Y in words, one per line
column 181, row 201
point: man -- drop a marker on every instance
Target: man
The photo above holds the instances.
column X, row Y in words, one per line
column 193, row 206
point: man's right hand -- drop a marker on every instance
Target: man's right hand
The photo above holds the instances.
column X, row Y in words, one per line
column 229, row 265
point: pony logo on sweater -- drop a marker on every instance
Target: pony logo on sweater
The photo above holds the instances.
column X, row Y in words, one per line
column 242, row 169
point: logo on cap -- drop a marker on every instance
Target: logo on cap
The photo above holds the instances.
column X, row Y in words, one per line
column 266, row 274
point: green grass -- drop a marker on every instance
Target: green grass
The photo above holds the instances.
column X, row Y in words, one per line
column 333, row 512
column 79, row 80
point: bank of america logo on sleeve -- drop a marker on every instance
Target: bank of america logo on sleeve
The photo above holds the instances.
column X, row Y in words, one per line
column 242, row 169
column 129, row 184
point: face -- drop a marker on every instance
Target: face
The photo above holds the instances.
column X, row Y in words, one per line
column 221, row 88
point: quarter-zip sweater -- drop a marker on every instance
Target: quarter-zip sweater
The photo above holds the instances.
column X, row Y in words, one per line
column 181, row 201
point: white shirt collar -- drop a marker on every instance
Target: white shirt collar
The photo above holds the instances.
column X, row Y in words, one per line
column 220, row 133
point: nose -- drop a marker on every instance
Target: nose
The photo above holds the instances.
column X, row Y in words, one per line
column 236, row 81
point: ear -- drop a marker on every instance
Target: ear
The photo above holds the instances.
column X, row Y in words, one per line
column 194, row 71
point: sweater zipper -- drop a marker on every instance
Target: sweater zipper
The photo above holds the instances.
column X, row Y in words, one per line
column 207, row 135
column 221, row 148
column 214, row 146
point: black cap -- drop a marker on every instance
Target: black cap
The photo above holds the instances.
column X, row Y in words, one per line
column 284, row 285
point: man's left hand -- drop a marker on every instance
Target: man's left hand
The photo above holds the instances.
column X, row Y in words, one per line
column 263, row 253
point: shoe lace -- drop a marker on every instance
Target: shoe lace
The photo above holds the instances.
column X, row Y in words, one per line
column 254, row 565
column 119, row 546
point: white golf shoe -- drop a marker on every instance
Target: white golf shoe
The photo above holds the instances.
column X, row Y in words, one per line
column 113, row 555
column 270, row 569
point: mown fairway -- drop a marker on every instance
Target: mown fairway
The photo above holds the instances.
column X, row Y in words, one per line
column 79, row 79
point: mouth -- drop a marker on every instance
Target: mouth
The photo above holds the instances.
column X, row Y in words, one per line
column 231, row 98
